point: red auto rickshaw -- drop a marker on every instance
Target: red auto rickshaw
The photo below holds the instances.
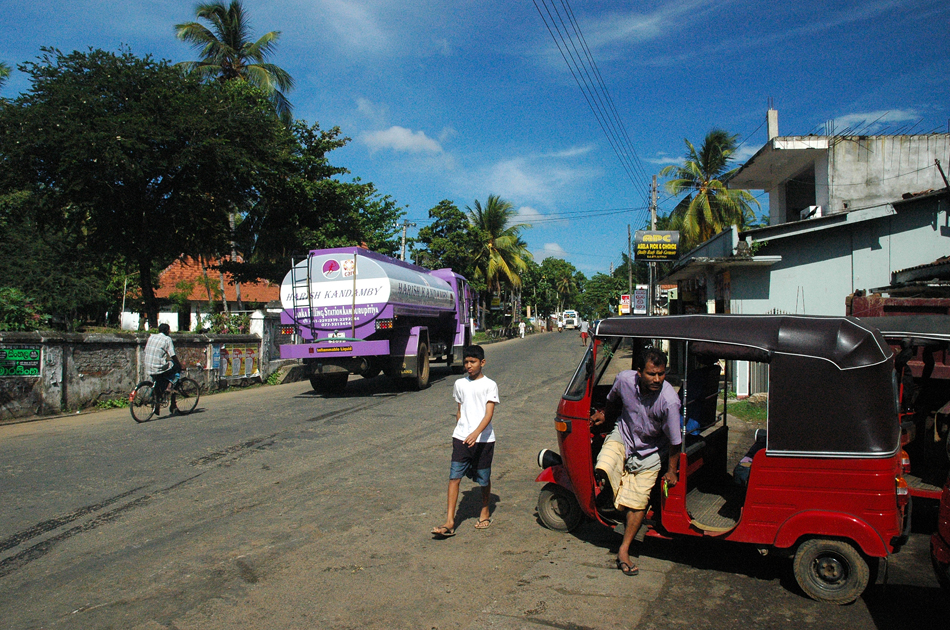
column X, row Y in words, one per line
column 921, row 345
column 825, row 482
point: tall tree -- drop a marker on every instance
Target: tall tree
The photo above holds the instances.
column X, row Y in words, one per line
column 448, row 241
column 305, row 205
column 709, row 206
column 227, row 52
column 501, row 253
column 134, row 160
column 4, row 73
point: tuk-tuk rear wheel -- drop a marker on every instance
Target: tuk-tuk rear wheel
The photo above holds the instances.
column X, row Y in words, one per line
column 558, row 509
column 830, row 571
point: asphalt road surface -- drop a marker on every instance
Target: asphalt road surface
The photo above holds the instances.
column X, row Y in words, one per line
column 279, row 508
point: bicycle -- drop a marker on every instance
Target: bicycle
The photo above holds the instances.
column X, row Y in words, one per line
column 184, row 398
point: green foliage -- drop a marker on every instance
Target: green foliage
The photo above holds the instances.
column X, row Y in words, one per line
column 305, row 206
column 18, row 312
column 113, row 403
column 133, row 162
column 180, row 296
column 228, row 54
column 448, row 242
column 274, row 378
column 709, row 206
column 229, row 323
column 601, row 296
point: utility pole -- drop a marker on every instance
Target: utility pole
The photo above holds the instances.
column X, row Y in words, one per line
column 405, row 224
column 629, row 263
column 651, row 265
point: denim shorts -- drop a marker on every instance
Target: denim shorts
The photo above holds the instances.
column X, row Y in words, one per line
column 472, row 462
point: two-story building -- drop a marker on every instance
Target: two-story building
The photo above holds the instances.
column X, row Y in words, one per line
column 845, row 214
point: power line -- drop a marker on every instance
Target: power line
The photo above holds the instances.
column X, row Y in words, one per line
column 588, row 78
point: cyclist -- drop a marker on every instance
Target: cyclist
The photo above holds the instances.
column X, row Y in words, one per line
column 161, row 364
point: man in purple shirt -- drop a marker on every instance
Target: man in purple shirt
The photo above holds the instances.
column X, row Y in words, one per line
column 646, row 410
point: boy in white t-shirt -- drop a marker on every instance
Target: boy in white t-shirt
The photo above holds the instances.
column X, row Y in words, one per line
column 473, row 441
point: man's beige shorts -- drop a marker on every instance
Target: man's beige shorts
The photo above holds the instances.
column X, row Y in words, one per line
column 631, row 490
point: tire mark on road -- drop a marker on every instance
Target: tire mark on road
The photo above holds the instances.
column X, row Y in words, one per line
column 37, row 551
column 55, row 523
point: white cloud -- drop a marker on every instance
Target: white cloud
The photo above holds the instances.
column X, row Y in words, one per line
column 550, row 250
column 377, row 113
column 400, row 139
column 871, row 122
column 572, row 152
column 532, row 180
column 527, row 214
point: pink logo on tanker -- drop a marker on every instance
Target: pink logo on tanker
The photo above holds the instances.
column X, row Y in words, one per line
column 331, row 269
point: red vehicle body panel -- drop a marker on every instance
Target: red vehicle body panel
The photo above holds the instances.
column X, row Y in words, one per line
column 940, row 542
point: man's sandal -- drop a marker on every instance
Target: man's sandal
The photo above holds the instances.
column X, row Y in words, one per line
column 626, row 569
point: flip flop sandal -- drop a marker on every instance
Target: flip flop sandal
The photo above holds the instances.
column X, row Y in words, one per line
column 628, row 570
column 483, row 524
column 443, row 532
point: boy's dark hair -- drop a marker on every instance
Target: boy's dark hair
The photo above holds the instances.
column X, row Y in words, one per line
column 476, row 352
column 652, row 355
column 164, row 328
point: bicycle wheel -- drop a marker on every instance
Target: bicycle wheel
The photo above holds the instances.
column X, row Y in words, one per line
column 185, row 396
column 141, row 402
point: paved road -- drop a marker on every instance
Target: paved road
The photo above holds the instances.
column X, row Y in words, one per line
column 279, row 508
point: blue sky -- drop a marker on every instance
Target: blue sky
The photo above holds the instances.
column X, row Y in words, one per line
column 461, row 99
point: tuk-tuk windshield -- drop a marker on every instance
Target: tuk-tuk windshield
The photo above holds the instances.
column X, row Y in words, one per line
column 606, row 349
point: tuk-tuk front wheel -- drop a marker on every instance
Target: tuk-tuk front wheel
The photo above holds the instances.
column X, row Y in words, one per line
column 830, row 571
column 558, row 509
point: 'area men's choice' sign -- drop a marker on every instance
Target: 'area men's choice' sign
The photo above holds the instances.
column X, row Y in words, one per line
column 649, row 245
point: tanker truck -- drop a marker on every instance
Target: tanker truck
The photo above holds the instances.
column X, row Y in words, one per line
column 353, row 311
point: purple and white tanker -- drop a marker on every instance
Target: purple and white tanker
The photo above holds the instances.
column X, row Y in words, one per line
column 353, row 311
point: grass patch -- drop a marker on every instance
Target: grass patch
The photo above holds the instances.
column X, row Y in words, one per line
column 747, row 411
column 113, row 403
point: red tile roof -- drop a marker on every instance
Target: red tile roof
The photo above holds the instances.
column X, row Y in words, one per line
column 189, row 270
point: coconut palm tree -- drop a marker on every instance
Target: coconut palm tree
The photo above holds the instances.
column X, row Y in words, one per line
column 227, row 52
column 709, row 207
column 502, row 253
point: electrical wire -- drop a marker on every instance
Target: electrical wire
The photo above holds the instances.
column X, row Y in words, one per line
column 571, row 44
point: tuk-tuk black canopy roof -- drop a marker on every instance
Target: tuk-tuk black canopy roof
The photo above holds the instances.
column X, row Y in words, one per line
column 844, row 341
column 831, row 383
column 923, row 328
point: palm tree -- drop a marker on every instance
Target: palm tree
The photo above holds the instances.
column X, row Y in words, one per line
column 709, row 207
column 4, row 73
column 566, row 285
column 502, row 253
column 228, row 54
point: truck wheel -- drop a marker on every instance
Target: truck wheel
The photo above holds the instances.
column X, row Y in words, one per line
column 421, row 379
column 558, row 509
column 830, row 571
column 329, row 383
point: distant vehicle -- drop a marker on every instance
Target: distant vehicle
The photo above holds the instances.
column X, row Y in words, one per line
column 825, row 482
column 354, row 311
column 571, row 319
